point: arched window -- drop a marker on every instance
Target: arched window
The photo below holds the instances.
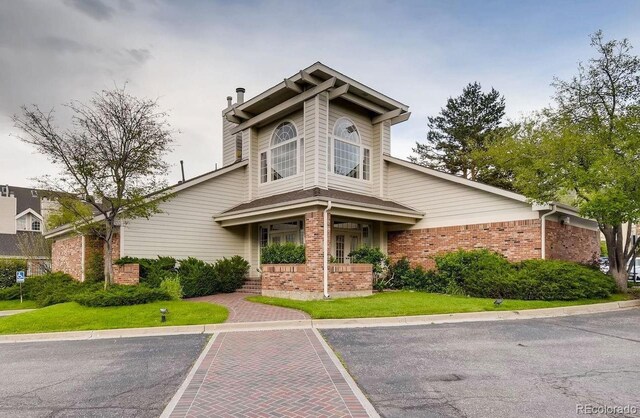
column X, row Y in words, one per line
column 349, row 157
column 284, row 153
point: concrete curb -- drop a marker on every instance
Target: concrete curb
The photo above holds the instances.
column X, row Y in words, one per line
column 364, row 401
column 323, row 323
column 183, row 387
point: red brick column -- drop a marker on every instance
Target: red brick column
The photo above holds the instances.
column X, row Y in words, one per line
column 314, row 243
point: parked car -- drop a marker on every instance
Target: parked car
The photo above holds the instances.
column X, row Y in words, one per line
column 634, row 274
column 604, row 264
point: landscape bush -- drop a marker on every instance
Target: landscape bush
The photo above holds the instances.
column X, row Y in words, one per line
column 371, row 255
column 171, row 285
column 8, row 269
column 197, row 278
column 152, row 270
column 287, row 253
column 230, row 273
column 10, row 293
column 121, row 295
column 94, row 272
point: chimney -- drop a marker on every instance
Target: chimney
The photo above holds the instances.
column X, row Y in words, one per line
column 240, row 93
column 229, row 99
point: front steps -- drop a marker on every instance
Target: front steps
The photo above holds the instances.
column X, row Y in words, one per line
column 253, row 286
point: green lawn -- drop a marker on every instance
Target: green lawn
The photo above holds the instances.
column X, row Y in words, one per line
column 412, row 303
column 9, row 305
column 74, row 317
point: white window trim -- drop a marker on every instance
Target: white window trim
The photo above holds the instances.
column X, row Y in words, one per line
column 332, row 151
column 269, row 147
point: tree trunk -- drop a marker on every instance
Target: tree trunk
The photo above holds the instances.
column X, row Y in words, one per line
column 108, row 264
column 615, row 251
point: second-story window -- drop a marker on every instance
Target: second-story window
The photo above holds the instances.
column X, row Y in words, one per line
column 350, row 158
column 284, row 151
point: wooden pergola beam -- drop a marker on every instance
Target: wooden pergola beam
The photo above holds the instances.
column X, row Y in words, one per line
column 386, row 116
column 292, row 86
column 337, row 92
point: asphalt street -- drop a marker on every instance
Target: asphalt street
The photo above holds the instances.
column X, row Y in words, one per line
column 529, row 368
column 127, row 377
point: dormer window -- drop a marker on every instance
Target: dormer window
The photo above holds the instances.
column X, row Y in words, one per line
column 283, row 152
column 350, row 158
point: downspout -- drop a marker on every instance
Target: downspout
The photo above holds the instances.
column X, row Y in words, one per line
column 325, row 281
column 543, row 218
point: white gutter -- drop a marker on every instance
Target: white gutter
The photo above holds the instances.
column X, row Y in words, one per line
column 325, row 243
column 543, row 218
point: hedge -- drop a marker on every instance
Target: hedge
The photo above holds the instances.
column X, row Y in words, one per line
column 120, row 295
column 287, row 253
column 8, row 269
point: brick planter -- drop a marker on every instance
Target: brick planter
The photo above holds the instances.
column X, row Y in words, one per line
column 126, row 274
column 294, row 281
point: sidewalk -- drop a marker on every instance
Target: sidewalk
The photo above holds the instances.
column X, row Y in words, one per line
column 269, row 373
column 324, row 323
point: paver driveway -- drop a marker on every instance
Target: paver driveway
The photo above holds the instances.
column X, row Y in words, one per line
column 268, row 373
column 241, row 310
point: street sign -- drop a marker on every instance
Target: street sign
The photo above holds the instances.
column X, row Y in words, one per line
column 19, row 276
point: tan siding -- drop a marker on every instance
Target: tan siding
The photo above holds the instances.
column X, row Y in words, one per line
column 322, row 138
column 365, row 128
column 264, row 141
column 253, row 170
column 228, row 142
column 8, row 215
column 446, row 203
column 376, row 161
column 310, row 143
column 186, row 228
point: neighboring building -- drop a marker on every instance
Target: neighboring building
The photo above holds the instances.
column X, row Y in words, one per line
column 21, row 226
column 308, row 161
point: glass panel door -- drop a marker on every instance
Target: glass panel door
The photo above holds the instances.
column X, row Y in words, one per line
column 340, row 248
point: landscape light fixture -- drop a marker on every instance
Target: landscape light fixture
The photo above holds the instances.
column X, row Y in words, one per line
column 163, row 312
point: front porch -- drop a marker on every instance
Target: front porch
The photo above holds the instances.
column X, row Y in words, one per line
column 330, row 231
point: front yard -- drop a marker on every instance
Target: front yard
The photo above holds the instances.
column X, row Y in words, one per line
column 10, row 305
column 71, row 316
column 403, row 303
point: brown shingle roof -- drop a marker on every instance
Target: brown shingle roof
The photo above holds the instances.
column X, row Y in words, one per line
column 321, row 194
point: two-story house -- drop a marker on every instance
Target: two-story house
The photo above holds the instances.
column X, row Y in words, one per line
column 22, row 225
column 308, row 161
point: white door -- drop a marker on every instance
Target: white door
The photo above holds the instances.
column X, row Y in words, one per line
column 344, row 243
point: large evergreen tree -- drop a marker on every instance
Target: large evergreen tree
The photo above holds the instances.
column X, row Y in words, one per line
column 461, row 129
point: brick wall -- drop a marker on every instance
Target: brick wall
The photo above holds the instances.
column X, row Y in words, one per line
column 517, row 240
column 126, row 274
column 305, row 281
column 66, row 253
column 66, row 256
column 568, row 242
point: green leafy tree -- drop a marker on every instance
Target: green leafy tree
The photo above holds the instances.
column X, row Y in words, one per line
column 110, row 160
column 462, row 128
column 587, row 148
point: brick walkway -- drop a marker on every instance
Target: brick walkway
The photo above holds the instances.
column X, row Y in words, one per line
column 241, row 310
column 268, row 373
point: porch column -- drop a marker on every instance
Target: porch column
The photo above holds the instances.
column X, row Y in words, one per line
column 314, row 247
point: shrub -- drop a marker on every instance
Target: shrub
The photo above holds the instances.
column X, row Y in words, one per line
column 51, row 288
column 287, row 253
column 373, row 256
column 419, row 278
column 398, row 272
column 10, row 293
column 476, row 265
column 230, row 273
column 197, row 278
column 118, row 295
column 94, row 272
column 171, row 285
column 561, row 280
column 8, row 269
column 152, row 271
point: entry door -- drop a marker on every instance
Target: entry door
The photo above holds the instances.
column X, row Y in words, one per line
column 344, row 243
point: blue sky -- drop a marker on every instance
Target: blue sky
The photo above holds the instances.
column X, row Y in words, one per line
column 192, row 54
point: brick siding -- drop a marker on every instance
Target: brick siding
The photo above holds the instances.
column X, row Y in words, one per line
column 572, row 243
column 126, row 274
column 66, row 253
column 517, row 240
